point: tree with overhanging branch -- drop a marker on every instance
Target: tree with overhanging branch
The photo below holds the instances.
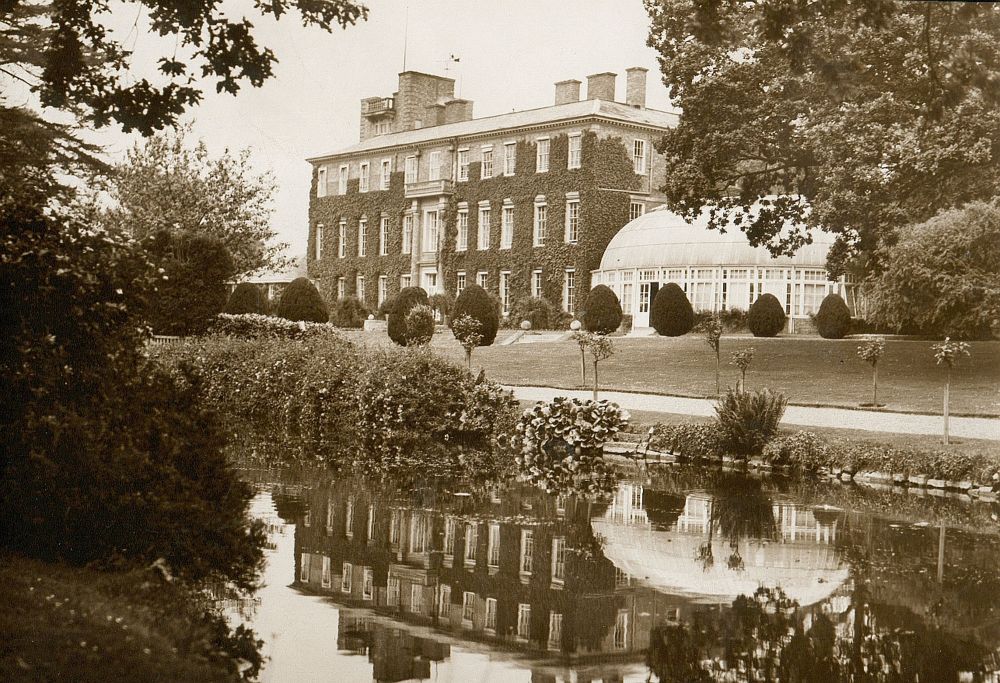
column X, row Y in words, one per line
column 66, row 52
column 854, row 116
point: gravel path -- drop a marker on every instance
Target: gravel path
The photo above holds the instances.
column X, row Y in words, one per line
column 872, row 421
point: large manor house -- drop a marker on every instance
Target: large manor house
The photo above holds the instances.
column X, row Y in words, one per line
column 545, row 202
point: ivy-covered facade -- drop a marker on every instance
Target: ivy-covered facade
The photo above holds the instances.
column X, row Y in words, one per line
column 523, row 204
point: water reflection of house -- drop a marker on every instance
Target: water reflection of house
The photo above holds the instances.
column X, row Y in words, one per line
column 572, row 589
column 800, row 557
column 519, row 573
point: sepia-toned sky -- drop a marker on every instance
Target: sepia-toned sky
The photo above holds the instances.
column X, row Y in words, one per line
column 511, row 52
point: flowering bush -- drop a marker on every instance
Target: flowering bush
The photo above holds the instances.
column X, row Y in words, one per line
column 562, row 444
column 689, row 440
column 255, row 326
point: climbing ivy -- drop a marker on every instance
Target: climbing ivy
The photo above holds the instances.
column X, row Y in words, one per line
column 604, row 181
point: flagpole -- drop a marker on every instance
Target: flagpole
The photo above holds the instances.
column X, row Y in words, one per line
column 406, row 31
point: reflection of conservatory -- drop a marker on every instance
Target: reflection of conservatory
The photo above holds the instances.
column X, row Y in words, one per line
column 718, row 271
column 802, row 560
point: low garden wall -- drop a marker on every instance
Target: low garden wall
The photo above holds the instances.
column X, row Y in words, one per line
column 865, row 461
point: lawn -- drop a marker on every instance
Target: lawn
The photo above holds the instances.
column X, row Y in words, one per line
column 67, row 624
column 809, row 370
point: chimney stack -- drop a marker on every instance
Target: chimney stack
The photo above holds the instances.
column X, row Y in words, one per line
column 567, row 91
column 457, row 110
column 601, row 86
column 635, row 87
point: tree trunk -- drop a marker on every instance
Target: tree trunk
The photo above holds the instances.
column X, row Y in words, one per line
column 875, row 385
column 716, row 372
column 947, row 391
column 468, row 358
column 583, row 367
column 595, row 380
column 743, row 381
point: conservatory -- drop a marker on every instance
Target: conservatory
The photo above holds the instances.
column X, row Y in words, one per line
column 718, row 271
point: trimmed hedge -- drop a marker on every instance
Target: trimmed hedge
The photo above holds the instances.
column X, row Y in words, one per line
column 475, row 302
column 833, row 320
column 246, row 298
column 602, row 312
column 407, row 298
column 766, row 317
column 302, row 301
column 671, row 314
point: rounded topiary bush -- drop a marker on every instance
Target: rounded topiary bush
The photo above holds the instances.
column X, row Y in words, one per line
column 419, row 325
column 671, row 314
column 833, row 320
column 302, row 301
column 407, row 298
column 245, row 298
column 602, row 312
column 766, row 317
column 475, row 302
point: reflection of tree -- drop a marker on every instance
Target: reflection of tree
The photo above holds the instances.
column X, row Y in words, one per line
column 676, row 652
column 741, row 510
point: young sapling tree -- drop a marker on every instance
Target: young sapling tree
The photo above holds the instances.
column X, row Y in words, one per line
column 870, row 352
column 949, row 353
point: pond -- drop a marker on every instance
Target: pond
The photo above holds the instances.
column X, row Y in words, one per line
column 696, row 575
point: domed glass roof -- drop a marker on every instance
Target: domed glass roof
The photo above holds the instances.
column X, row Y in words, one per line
column 660, row 238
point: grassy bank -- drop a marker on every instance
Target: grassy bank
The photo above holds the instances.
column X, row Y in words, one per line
column 642, row 420
column 67, row 624
column 809, row 370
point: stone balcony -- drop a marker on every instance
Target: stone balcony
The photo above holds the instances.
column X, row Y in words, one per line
column 378, row 107
column 428, row 188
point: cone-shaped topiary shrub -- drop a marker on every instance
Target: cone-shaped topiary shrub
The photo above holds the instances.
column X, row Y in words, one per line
column 833, row 320
column 302, row 301
column 671, row 314
column 246, row 298
column 407, row 298
column 602, row 313
column 475, row 302
column 766, row 317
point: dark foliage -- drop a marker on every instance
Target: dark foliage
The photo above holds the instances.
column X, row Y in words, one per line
column 349, row 312
column 302, row 301
column 81, row 66
column 105, row 459
column 475, row 302
column 602, row 313
column 407, row 298
column 192, row 290
column 540, row 312
column 766, row 317
column 671, row 314
column 419, row 325
column 246, row 298
column 833, row 319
